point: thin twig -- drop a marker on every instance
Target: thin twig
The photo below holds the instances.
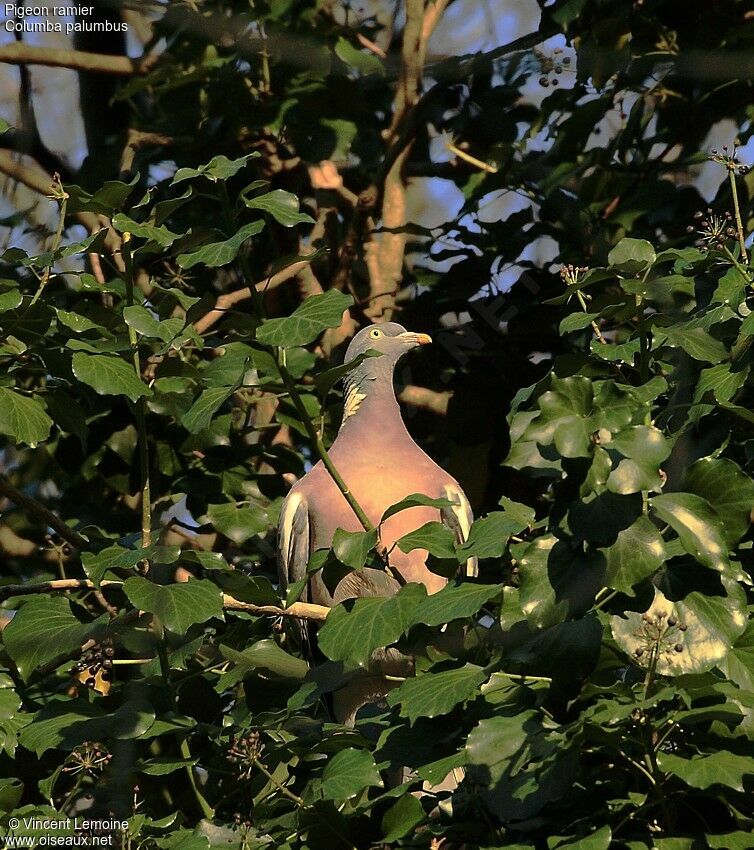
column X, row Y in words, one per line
column 41, row 512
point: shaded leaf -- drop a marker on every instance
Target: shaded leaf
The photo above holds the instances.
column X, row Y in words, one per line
column 348, row 773
column 178, row 606
column 306, row 323
column 23, row 418
column 435, row 694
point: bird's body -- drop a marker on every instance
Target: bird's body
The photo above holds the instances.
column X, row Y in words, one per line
column 381, row 465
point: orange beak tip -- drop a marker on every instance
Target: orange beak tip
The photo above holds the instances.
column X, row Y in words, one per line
column 424, row 339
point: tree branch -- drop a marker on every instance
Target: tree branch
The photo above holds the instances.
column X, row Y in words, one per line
column 21, row 53
column 41, row 512
column 426, row 399
column 300, row 610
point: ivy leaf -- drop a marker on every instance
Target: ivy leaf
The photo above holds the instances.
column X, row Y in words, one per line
column 109, row 375
column 738, row 664
column 728, row 489
column 453, row 602
column 218, row 254
column 351, row 634
column 435, row 694
column 348, row 773
column 698, row 526
column 218, row 168
column 44, row 629
column 178, row 606
column 498, row 742
column 10, row 299
column 365, row 63
column 402, row 818
column 96, row 565
column 416, row 500
column 632, row 255
column 638, row 552
column 263, row 654
column 306, row 323
column 141, row 320
column 576, row 322
column 695, row 341
column 238, row 523
column 644, row 448
column 23, row 418
column 352, row 548
column 199, row 415
column 153, row 233
column 325, row 381
column 712, row 624
column 281, row 205
column 489, row 535
column 435, row 537
column 704, row 771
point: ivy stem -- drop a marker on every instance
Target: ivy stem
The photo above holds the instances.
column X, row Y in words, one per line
column 141, row 419
column 319, row 445
column 283, row 790
column 595, row 326
column 737, row 212
column 243, row 261
column 62, row 198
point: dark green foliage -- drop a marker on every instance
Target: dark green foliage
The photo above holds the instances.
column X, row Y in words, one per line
column 594, row 687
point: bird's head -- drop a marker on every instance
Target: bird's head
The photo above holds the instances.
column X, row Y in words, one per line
column 390, row 339
column 374, row 375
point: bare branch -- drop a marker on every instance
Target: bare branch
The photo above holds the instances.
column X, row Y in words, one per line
column 21, row 53
column 41, row 512
column 426, row 399
column 301, row 610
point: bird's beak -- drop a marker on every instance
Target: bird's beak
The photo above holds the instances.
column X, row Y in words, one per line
column 416, row 339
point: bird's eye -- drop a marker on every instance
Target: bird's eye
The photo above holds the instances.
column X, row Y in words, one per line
column 376, row 333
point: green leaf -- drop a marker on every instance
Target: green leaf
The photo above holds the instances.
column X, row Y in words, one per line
column 632, row 255
column 576, row 322
column 436, row 694
column 728, row 489
column 351, row 634
column 65, row 724
column 218, row 168
column 43, row 630
column 638, row 552
column 352, row 548
column 697, row 525
column 738, row 664
column 76, row 322
column 600, row 839
column 265, row 655
column 178, row 606
column 109, row 375
column 199, row 415
column 23, row 418
column 416, row 500
column 230, row 368
column 143, row 321
column 453, row 602
column 161, row 235
column 218, row 254
column 10, row 299
column 704, row 627
column 740, row 840
column 314, row 315
column 498, row 743
column 489, row 535
column 164, row 765
column 704, row 771
column 365, row 63
column 281, row 205
column 238, row 523
column 695, row 341
column 348, row 773
column 435, row 537
column 325, row 381
column 644, row 448
column 402, row 818
column 118, row 557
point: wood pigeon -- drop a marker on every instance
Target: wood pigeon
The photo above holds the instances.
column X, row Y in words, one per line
column 381, row 465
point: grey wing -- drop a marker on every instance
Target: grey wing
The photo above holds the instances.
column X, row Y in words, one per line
column 458, row 518
column 293, row 547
